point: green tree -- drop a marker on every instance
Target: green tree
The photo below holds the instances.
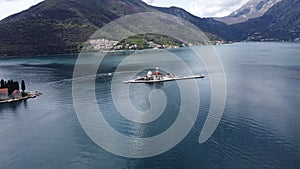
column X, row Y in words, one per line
column 10, row 86
column 2, row 84
column 23, row 86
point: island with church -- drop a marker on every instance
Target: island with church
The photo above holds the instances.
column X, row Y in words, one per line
column 10, row 91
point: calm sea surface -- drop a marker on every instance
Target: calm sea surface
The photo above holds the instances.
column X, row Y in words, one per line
column 260, row 127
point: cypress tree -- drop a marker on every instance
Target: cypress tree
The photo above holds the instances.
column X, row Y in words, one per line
column 23, row 86
column 2, row 84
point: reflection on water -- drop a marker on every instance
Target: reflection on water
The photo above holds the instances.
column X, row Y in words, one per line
column 259, row 128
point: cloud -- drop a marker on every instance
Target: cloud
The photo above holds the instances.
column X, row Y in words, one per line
column 215, row 8
column 6, row 0
column 149, row 1
column 9, row 7
column 202, row 8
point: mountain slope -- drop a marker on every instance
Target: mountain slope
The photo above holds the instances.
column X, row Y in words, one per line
column 57, row 26
column 281, row 22
column 204, row 24
column 62, row 26
column 252, row 9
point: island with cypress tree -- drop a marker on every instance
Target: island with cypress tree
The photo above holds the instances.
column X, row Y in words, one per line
column 10, row 91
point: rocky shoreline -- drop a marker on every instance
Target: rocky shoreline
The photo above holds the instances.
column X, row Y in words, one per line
column 28, row 95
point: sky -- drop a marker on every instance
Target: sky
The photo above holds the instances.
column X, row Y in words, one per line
column 9, row 7
column 202, row 8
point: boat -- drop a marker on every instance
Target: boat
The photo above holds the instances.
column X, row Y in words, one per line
column 157, row 77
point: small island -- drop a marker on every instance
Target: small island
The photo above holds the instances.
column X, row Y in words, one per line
column 10, row 91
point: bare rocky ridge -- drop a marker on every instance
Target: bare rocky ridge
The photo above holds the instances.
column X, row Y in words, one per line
column 279, row 23
column 252, row 9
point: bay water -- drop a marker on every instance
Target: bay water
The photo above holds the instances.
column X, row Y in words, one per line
column 259, row 127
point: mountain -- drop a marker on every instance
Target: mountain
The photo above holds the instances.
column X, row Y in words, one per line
column 280, row 22
column 209, row 25
column 252, row 9
column 60, row 26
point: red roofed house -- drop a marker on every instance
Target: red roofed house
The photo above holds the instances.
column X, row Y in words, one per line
column 4, row 94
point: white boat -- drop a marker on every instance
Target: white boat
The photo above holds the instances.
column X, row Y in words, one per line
column 157, row 77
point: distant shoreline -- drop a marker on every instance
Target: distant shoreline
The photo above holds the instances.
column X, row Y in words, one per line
column 131, row 50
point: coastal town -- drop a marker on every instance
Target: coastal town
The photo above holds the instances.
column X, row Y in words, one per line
column 10, row 91
column 143, row 41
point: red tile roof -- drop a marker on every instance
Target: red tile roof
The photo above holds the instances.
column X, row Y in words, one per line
column 15, row 91
column 4, row 90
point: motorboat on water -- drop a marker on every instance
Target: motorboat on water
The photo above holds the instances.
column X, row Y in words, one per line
column 157, row 76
